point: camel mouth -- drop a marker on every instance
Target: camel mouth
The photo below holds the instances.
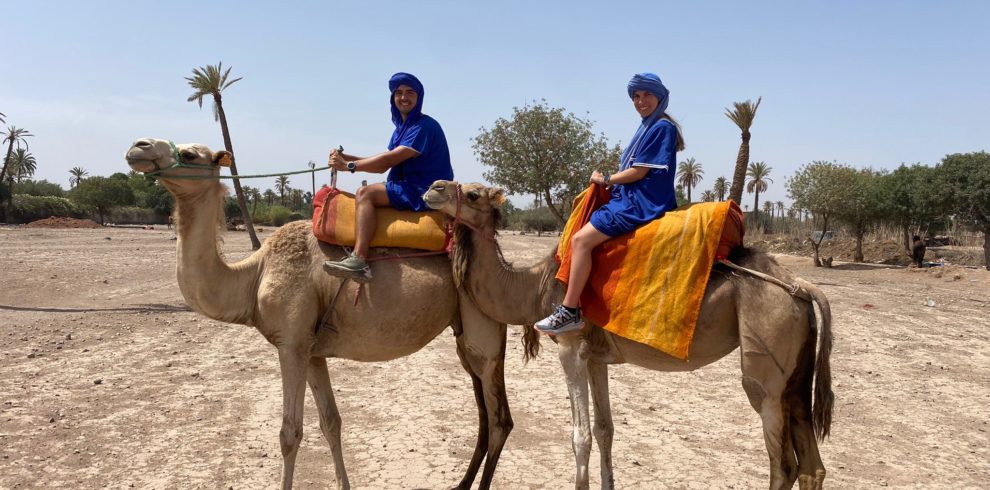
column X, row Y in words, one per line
column 433, row 201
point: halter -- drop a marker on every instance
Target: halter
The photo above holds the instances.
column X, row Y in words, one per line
column 178, row 163
column 458, row 221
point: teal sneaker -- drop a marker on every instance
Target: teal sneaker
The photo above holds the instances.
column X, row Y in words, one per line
column 350, row 267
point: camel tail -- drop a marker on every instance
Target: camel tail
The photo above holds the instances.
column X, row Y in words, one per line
column 824, row 399
column 531, row 343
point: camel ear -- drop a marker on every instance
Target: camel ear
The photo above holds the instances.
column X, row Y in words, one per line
column 496, row 196
column 223, row 158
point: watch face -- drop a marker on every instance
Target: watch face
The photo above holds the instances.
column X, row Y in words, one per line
column 351, row 166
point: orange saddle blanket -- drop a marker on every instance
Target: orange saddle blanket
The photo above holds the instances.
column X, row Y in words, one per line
column 647, row 285
column 333, row 222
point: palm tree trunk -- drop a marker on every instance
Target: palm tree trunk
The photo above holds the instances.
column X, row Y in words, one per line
column 739, row 176
column 6, row 160
column 689, row 192
column 756, row 208
column 241, row 202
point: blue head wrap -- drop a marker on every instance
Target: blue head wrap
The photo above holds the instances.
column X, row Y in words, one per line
column 648, row 82
column 402, row 78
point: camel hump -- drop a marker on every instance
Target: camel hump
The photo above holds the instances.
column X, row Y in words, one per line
column 334, row 220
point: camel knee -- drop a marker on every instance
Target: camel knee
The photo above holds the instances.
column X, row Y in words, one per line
column 290, row 435
column 604, row 431
column 330, row 421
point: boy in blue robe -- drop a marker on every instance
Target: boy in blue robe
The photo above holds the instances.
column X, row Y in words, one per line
column 417, row 156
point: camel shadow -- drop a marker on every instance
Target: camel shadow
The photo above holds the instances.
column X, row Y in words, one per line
column 852, row 266
column 143, row 308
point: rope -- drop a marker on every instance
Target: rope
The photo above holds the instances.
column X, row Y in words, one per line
column 178, row 163
column 792, row 289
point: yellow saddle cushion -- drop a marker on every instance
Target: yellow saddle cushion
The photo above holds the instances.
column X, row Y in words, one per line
column 333, row 222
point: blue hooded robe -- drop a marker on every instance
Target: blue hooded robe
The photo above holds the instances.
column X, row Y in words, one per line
column 409, row 180
column 654, row 146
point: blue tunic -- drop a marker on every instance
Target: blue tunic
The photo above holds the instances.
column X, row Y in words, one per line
column 409, row 180
column 637, row 203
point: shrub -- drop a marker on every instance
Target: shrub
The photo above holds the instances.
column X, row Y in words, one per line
column 25, row 208
column 278, row 216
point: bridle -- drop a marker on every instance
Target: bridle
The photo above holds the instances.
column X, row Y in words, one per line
column 178, row 163
column 458, row 221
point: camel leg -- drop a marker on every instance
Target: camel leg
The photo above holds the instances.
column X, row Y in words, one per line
column 604, row 428
column 481, row 348
column 776, row 420
column 576, row 371
column 293, row 362
column 811, row 470
column 319, row 385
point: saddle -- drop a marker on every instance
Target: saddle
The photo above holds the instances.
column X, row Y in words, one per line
column 334, row 218
column 648, row 285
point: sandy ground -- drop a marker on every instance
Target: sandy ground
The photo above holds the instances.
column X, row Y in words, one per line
column 107, row 379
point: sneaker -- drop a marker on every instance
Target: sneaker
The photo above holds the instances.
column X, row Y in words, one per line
column 562, row 320
column 350, row 267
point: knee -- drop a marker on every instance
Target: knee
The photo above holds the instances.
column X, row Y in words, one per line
column 363, row 194
column 580, row 243
column 603, row 430
column 290, row 435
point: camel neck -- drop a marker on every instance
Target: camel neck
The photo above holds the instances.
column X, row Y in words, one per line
column 209, row 285
column 516, row 296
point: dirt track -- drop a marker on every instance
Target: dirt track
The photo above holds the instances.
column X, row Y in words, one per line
column 108, row 380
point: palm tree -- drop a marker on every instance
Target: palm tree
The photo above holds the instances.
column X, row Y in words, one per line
column 22, row 164
column 12, row 136
column 758, row 173
column 269, row 196
column 212, row 80
column 689, row 174
column 780, row 209
column 743, row 116
column 77, row 175
column 707, row 196
column 282, row 186
column 3, row 119
column 720, row 187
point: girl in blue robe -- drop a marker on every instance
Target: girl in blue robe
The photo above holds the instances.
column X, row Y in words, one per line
column 642, row 191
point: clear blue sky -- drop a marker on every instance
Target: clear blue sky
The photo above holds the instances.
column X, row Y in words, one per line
column 865, row 83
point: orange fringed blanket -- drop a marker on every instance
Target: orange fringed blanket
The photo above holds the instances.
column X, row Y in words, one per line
column 333, row 222
column 648, row 285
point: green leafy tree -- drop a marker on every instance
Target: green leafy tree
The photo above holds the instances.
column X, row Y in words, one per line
column 861, row 203
column 911, row 200
column 78, row 173
column 757, row 175
column 816, row 187
column 965, row 180
column 689, row 173
column 544, row 151
column 213, row 80
column 742, row 115
column 103, row 194
column 40, row 188
column 720, row 188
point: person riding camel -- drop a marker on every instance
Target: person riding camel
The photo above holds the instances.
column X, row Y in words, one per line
column 417, row 156
column 642, row 191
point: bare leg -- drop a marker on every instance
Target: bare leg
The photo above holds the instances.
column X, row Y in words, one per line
column 576, row 370
column 294, row 362
column 368, row 198
column 319, row 385
column 481, row 348
column 584, row 241
column 604, row 428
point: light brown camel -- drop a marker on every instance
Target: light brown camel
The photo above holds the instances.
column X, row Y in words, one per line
column 283, row 291
column 777, row 333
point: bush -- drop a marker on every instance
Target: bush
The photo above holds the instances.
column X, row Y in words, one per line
column 25, row 208
column 136, row 215
column 539, row 220
column 39, row 188
column 278, row 216
column 297, row 216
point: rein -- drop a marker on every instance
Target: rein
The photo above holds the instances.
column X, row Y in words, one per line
column 178, row 163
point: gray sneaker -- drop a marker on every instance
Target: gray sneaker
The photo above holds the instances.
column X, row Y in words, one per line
column 560, row 321
column 350, row 267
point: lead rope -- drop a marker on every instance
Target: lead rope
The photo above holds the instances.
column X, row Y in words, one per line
column 792, row 289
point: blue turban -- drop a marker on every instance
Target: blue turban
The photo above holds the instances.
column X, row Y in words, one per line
column 649, row 82
column 402, row 78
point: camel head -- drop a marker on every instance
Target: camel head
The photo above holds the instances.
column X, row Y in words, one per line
column 181, row 168
column 474, row 204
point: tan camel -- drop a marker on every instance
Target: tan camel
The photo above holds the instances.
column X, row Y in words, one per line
column 777, row 333
column 283, row 291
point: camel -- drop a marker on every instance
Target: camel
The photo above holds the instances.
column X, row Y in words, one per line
column 775, row 330
column 282, row 291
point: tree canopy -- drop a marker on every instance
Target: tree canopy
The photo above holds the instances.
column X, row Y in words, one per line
column 103, row 193
column 545, row 151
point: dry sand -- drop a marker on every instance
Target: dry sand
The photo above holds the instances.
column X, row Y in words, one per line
column 108, row 380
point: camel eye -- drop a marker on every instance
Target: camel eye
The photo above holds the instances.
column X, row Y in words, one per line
column 188, row 155
column 439, row 188
column 473, row 195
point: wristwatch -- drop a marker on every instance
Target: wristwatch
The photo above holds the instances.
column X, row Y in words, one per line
column 351, row 166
